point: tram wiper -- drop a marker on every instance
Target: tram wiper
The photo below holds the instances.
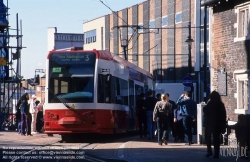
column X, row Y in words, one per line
column 65, row 104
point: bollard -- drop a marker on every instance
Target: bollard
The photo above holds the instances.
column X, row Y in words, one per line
column 200, row 124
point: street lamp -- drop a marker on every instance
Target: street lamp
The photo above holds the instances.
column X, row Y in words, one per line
column 189, row 41
column 124, row 44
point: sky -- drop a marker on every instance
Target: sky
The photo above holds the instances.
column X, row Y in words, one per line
column 37, row 15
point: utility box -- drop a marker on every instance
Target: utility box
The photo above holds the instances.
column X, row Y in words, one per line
column 200, row 126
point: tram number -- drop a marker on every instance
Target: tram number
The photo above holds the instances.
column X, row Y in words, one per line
column 69, row 112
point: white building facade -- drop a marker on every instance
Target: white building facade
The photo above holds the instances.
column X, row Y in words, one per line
column 94, row 32
column 64, row 40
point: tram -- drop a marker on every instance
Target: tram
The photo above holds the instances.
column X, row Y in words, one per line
column 92, row 91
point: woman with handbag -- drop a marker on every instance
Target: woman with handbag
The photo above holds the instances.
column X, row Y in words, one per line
column 160, row 115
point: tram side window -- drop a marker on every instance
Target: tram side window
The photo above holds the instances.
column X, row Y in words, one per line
column 121, row 91
column 104, row 90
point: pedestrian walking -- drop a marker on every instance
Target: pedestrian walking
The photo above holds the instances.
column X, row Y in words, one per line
column 33, row 111
column 141, row 115
column 215, row 122
column 150, row 105
column 171, row 116
column 178, row 126
column 188, row 109
column 160, row 115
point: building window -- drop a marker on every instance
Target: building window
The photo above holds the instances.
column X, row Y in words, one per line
column 152, row 24
column 111, row 35
column 90, row 36
column 242, row 92
column 43, row 88
column 130, row 31
column 164, row 21
column 243, row 20
column 178, row 18
column 141, row 26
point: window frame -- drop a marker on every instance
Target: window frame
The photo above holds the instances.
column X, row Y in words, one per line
column 130, row 31
column 242, row 93
column 162, row 21
column 150, row 24
column 111, row 35
column 243, row 29
column 238, row 24
column 178, row 13
column 140, row 30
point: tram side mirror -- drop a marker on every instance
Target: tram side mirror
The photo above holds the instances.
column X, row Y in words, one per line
column 37, row 79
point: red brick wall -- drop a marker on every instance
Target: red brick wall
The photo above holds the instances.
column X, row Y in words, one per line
column 225, row 53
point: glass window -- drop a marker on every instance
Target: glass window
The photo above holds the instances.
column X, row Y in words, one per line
column 178, row 17
column 243, row 22
column 243, row 94
column 121, row 91
column 104, row 89
column 66, row 71
column 164, row 21
column 152, row 24
column 130, row 31
column 140, row 30
column 111, row 35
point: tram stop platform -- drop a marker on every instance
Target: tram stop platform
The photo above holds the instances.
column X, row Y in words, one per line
column 128, row 148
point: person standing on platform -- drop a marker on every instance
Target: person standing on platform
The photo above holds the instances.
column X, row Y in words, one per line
column 24, row 115
column 215, row 122
column 150, row 105
column 33, row 111
column 188, row 109
column 39, row 119
column 142, row 115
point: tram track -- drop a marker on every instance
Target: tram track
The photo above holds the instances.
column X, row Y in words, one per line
column 25, row 150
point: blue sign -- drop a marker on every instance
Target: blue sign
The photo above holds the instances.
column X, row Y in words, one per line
column 187, row 81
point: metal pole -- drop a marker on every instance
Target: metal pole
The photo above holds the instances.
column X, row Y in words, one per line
column 189, row 50
column 125, row 54
column 205, row 53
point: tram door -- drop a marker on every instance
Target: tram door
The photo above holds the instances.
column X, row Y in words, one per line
column 132, row 113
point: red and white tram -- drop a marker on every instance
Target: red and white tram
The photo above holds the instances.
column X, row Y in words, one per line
column 92, row 91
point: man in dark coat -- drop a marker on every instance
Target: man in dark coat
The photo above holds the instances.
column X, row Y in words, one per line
column 188, row 109
column 142, row 116
column 150, row 105
column 171, row 116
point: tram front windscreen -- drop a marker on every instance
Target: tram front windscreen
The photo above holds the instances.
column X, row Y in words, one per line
column 71, row 77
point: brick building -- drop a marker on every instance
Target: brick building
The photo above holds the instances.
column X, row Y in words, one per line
column 230, row 51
